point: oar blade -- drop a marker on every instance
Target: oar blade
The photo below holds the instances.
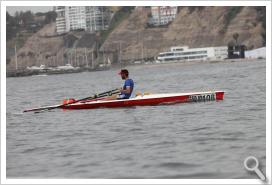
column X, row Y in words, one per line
column 42, row 108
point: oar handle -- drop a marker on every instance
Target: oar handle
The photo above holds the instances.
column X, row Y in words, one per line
column 108, row 93
column 91, row 97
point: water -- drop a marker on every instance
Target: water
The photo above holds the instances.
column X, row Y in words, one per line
column 193, row 140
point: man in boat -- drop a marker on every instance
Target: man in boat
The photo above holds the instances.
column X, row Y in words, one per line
column 127, row 89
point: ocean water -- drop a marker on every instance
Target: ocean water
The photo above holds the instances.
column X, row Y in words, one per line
column 192, row 140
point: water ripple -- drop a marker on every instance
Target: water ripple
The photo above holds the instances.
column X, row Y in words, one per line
column 192, row 140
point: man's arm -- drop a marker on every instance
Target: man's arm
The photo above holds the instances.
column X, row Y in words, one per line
column 126, row 91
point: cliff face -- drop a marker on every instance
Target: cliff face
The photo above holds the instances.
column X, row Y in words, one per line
column 201, row 27
column 39, row 49
column 47, row 48
column 193, row 26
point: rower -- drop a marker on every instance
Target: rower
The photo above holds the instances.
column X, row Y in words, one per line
column 127, row 89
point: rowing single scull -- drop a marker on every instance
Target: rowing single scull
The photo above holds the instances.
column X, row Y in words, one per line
column 148, row 100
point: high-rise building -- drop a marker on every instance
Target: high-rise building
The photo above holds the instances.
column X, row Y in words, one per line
column 77, row 17
column 97, row 18
column 162, row 15
column 88, row 18
column 61, row 19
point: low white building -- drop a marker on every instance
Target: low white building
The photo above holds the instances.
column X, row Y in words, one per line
column 256, row 53
column 185, row 53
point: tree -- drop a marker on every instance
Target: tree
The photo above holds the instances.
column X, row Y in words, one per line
column 27, row 17
column 12, row 27
column 231, row 43
column 235, row 37
column 50, row 17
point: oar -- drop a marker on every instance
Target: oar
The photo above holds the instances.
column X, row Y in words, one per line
column 107, row 93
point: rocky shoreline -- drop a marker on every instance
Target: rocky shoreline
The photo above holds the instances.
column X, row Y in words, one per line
column 27, row 72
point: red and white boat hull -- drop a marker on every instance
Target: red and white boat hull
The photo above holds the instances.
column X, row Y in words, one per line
column 150, row 100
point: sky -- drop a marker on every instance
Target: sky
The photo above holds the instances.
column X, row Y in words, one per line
column 12, row 9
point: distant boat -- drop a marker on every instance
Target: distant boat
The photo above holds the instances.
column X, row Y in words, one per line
column 33, row 68
column 42, row 67
column 66, row 67
column 41, row 75
column 109, row 63
column 137, row 62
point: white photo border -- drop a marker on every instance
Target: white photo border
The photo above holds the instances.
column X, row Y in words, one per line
column 4, row 4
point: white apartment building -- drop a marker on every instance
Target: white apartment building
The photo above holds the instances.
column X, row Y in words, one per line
column 256, row 53
column 88, row 18
column 77, row 17
column 97, row 18
column 61, row 19
column 162, row 15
